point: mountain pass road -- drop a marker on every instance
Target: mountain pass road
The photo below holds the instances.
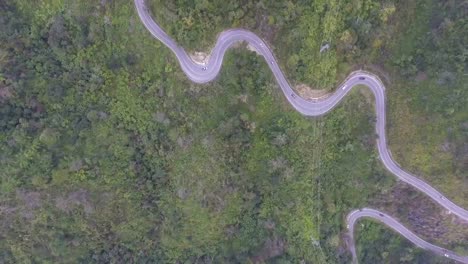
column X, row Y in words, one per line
column 205, row 73
column 355, row 215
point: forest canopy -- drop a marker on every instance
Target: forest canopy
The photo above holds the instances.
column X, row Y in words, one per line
column 108, row 153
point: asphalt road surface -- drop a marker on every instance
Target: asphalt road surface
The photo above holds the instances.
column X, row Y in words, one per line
column 204, row 73
column 355, row 215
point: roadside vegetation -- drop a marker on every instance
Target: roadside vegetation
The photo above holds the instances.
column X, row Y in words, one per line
column 376, row 244
column 109, row 154
column 297, row 30
column 428, row 129
column 416, row 47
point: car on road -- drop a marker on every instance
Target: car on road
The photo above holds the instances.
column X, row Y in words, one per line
column 381, row 215
column 446, row 255
column 293, row 95
column 204, row 68
column 362, row 78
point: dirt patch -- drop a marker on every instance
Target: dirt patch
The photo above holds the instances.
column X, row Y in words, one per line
column 201, row 58
column 252, row 48
column 308, row 93
column 78, row 198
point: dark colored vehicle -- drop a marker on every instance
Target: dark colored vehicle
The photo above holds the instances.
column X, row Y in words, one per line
column 382, row 215
column 362, row 78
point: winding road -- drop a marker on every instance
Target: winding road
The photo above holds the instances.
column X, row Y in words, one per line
column 205, row 73
column 355, row 215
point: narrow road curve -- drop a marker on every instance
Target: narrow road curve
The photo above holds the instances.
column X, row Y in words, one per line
column 205, row 73
column 355, row 215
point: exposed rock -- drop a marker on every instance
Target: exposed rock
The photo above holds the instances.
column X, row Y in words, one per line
column 308, row 93
column 252, row 48
column 201, row 58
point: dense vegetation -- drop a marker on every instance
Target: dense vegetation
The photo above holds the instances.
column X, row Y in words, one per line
column 429, row 107
column 298, row 29
column 378, row 245
column 109, row 154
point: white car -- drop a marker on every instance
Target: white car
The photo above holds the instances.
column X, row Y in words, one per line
column 344, row 87
column 446, row 255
